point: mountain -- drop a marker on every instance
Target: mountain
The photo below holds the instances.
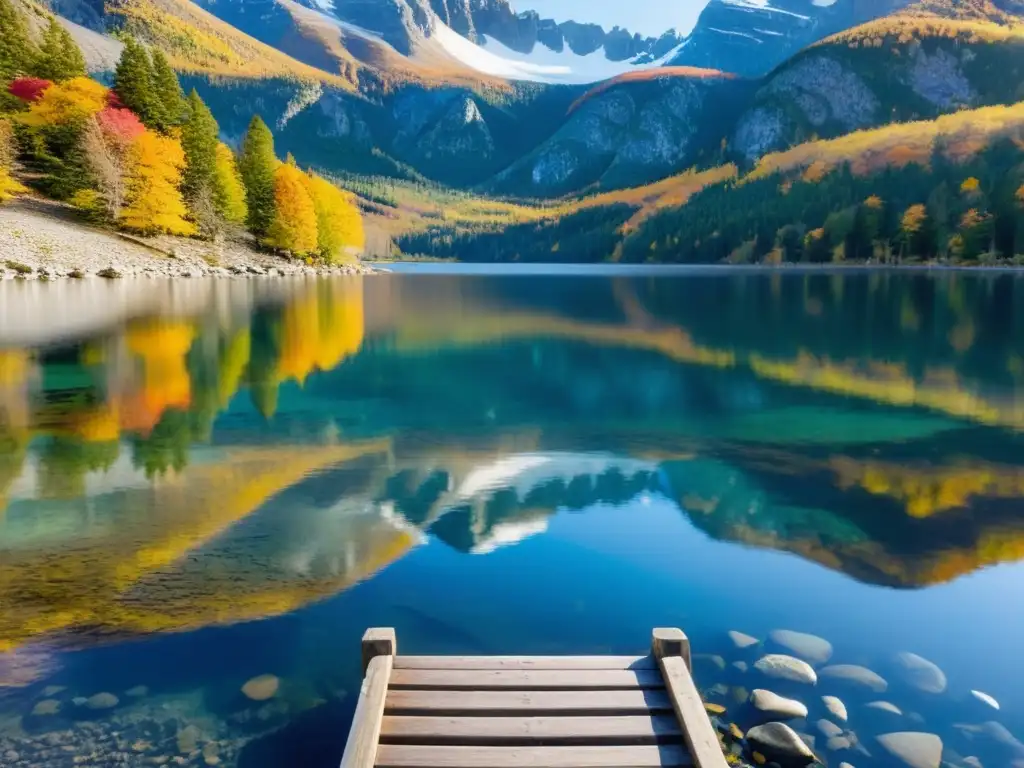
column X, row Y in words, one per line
column 752, row 37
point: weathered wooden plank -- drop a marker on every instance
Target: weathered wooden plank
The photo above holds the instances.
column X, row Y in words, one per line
column 524, row 731
column 698, row 733
column 510, row 703
column 525, row 662
column 361, row 747
column 378, row 641
column 400, row 756
column 526, row 679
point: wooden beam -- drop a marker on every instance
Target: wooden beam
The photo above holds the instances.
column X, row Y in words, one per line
column 525, row 662
column 669, row 641
column 361, row 747
column 698, row 732
column 398, row 756
column 510, row 703
column 378, row 641
column 526, row 731
column 525, row 679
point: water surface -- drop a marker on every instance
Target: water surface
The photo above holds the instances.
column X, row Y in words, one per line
column 207, row 483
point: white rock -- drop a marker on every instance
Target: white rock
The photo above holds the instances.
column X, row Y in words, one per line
column 920, row 673
column 835, row 707
column 855, row 675
column 741, row 640
column 914, row 749
column 885, row 706
column 810, row 648
column 782, row 667
column 777, row 707
column 985, row 699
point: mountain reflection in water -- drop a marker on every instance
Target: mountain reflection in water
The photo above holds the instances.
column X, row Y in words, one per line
column 248, row 455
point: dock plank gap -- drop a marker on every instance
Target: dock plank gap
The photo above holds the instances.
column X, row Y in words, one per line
column 530, row 711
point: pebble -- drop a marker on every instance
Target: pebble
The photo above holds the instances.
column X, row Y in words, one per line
column 810, row 648
column 777, row 707
column 835, row 707
column 46, row 707
column 855, row 675
column 264, row 687
column 913, row 749
column 779, row 742
column 741, row 640
column 138, row 692
column 742, row 667
column 782, row 667
column 920, row 673
column 985, row 699
column 885, row 706
column 11, row 756
column 188, row 739
column 102, row 701
column 828, row 729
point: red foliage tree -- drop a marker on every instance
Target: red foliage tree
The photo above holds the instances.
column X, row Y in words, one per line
column 114, row 101
column 28, row 89
column 120, row 124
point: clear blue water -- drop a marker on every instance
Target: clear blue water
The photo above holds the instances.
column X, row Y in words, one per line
column 207, row 483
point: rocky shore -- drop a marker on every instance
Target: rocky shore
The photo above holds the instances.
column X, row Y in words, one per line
column 45, row 240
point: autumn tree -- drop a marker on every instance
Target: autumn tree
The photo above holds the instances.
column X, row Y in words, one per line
column 229, row 190
column 16, row 50
column 133, row 84
column 56, row 123
column 155, row 203
column 338, row 224
column 170, row 101
column 199, row 142
column 293, row 227
column 109, row 145
column 8, row 185
column 257, row 165
column 59, row 57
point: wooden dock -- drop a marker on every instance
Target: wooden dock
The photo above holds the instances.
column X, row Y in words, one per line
column 530, row 711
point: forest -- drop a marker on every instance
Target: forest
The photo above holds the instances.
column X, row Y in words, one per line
column 143, row 157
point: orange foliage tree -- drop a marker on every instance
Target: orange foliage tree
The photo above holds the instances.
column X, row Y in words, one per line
column 294, row 226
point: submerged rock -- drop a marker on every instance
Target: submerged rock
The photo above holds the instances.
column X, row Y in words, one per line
column 46, row 707
column 984, row 698
column 855, row 676
column 52, row 690
column 913, row 749
column 838, row 744
column 782, row 667
column 777, row 707
column 810, row 648
column 741, row 640
column 138, row 692
column 102, row 701
column 885, row 706
column 920, row 673
column 828, row 729
column 835, row 707
column 780, row 743
column 261, row 688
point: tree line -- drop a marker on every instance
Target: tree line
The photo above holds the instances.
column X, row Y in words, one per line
column 146, row 158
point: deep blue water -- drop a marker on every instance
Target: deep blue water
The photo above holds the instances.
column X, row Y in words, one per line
column 235, row 479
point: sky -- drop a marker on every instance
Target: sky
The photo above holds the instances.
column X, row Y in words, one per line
column 648, row 17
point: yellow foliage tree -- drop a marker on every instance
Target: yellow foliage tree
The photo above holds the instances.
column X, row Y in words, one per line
column 230, row 193
column 970, row 187
column 913, row 218
column 8, row 186
column 155, row 203
column 339, row 226
column 294, row 228
column 77, row 99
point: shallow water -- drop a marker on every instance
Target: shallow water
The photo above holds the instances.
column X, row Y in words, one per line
column 204, row 483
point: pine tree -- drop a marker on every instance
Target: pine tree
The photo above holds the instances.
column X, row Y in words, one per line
column 199, row 140
column 154, row 202
column 257, row 164
column 16, row 51
column 229, row 191
column 133, row 83
column 293, row 227
column 59, row 56
column 171, row 105
column 338, row 224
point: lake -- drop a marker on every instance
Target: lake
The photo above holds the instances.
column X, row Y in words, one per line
column 210, row 489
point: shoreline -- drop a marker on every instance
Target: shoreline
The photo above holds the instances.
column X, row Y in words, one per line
column 43, row 240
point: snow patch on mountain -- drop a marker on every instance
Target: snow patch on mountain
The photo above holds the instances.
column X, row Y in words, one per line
column 541, row 65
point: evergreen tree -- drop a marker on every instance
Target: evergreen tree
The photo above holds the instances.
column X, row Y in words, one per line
column 59, row 56
column 170, row 101
column 133, row 83
column 16, row 50
column 257, row 164
column 199, row 140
